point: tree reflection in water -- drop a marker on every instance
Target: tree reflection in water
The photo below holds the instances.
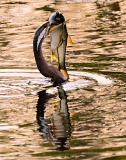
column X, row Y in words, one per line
column 59, row 131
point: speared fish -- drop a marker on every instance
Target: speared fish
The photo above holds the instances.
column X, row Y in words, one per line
column 59, row 39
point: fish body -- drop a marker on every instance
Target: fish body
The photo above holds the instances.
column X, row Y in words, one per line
column 58, row 39
column 58, row 47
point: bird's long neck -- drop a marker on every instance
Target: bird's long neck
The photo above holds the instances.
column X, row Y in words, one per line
column 37, row 42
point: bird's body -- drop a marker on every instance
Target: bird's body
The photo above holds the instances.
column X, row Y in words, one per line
column 43, row 67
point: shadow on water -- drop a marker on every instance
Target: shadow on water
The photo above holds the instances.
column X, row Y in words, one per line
column 46, row 8
column 59, row 129
column 108, row 16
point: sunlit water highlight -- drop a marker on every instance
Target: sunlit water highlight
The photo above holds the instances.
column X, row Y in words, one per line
column 86, row 117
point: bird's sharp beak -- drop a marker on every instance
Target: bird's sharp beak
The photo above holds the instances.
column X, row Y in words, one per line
column 50, row 28
column 53, row 25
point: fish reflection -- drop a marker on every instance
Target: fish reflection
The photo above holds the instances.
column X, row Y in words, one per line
column 59, row 129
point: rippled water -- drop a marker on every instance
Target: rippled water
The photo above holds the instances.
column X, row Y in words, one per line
column 82, row 119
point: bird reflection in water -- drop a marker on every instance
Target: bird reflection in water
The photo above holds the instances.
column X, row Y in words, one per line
column 59, row 131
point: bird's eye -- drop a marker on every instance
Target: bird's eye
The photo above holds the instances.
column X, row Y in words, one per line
column 57, row 18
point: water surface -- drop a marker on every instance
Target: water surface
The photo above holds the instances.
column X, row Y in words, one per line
column 82, row 119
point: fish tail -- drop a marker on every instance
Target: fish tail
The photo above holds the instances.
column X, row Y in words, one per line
column 65, row 73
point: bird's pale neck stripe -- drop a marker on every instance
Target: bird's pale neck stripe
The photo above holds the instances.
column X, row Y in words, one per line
column 42, row 35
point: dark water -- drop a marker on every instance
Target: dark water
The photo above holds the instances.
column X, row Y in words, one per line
column 86, row 117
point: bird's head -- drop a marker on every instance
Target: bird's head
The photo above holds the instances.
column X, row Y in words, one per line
column 56, row 18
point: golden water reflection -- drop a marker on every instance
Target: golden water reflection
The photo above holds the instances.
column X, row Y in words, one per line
column 98, row 30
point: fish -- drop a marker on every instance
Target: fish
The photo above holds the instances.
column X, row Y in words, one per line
column 59, row 38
